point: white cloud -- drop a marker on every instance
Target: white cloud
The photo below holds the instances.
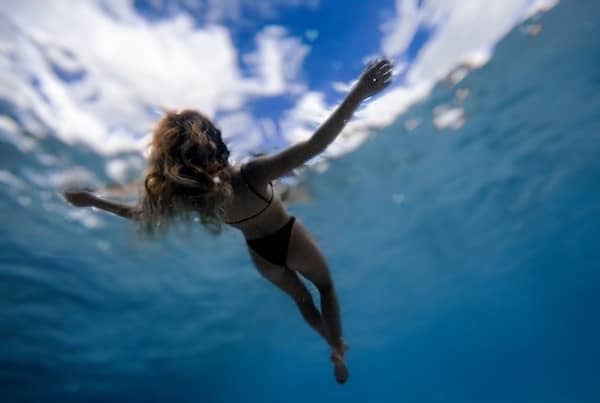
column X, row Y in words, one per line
column 448, row 117
column 340, row 87
column 85, row 217
column 122, row 169
column 11, row 133
column 276, row 63
column 399, row 31
column 122, row 65
column 464, row 31
column 8, row 179
column 221, row 10
column 309, row 111
column 242, row 132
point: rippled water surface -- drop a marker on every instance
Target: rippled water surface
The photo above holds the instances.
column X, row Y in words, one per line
column 466, row 259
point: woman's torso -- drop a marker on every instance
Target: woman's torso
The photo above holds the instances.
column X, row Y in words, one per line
column 254, row 208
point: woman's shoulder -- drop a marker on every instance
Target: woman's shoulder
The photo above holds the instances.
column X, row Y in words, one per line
column 250, row 179
column 252, row 173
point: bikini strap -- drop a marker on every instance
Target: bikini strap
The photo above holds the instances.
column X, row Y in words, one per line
column 252, row 188
column 257, row 194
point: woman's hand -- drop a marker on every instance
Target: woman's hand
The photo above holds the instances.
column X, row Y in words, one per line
column 377, row 76
column 83, row 198
column 79, row 198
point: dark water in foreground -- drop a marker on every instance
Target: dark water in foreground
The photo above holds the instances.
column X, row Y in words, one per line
column 466, row 261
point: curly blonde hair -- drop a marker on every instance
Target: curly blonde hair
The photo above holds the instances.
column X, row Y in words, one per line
column 188, row 173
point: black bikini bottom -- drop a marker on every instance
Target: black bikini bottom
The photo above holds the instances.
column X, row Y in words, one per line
column 274, row 247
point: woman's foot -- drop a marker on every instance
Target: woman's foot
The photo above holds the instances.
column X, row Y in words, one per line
column 339, row 367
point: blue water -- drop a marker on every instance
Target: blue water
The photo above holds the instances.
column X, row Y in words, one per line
column 466, row 262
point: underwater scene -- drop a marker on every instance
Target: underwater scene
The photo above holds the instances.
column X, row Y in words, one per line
column 459, row 210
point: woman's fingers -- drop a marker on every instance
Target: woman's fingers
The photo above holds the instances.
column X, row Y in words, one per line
column 377, row 75
column 384, row 74
column 380, row 64
column 386, row 64
column 372, row 65
column 375, row 64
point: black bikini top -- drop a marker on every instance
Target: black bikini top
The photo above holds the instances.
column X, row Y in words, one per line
column 257, row 194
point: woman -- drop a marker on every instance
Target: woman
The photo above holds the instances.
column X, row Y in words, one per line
column 189, row 173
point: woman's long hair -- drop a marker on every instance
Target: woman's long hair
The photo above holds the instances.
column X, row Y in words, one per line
column 187, row 174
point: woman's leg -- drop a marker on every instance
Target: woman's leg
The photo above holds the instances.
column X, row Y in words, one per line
column 288, row 282
column 305, row 257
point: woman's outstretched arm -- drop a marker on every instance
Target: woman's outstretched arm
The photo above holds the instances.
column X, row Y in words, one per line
column 375, row 78
column 87, row 199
